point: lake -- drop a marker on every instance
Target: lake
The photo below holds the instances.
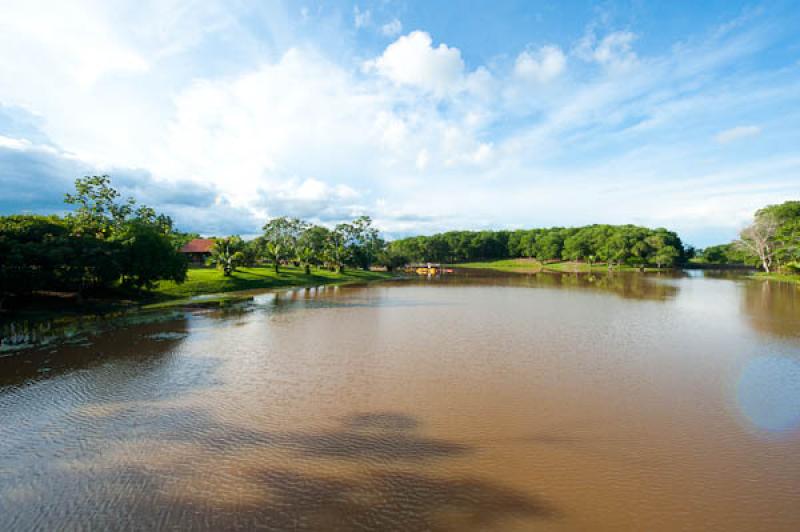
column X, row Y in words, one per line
column 480, row 401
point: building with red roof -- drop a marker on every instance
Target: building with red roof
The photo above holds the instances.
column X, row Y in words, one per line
column 198, row 250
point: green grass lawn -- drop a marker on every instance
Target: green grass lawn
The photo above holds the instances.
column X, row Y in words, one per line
column 533, row 265
column 209, row 281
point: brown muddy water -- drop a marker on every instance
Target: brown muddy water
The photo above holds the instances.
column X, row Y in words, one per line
column 479, row 402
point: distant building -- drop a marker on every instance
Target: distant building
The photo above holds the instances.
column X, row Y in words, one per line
column 198, row 250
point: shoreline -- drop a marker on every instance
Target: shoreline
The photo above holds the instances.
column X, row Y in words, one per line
column 535, row 266
column 777, row 277
column 37, row 326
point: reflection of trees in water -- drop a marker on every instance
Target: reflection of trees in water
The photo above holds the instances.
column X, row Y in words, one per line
column 629, row 285
column 141, row 346
column 772, row 307
column 391, row 489
column 626, row 285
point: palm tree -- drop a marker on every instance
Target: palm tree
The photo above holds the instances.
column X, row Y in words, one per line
column 305, row 255
column 275, row 252
column 227, row 255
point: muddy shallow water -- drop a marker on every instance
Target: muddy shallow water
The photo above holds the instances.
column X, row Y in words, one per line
column 479, row 402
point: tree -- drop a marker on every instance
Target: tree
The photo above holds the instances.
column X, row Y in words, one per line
column 119, row 239
column 787, row 239
column 364, row 241
column 391, row 258
column 758, row 239
column 97, row 211
column 227, row 255
column 313, row 241
column 305, row 254
column 576, row 246
column 148, row 248
column 252, row 251
column 617, row 249
column 33, row 249
column 149, row 255
column 335, row 246
column 549, row 246
column 281, row 236
column 666, row 256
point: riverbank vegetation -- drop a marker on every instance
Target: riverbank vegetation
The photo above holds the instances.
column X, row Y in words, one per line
column 211, row 281
column 102, row 244
column 536, row 266
column 771, row 243
column 113, row 251
column 616, row 246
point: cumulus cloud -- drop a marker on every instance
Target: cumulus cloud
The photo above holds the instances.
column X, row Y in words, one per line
column 737, row 133
column 541, row 65
column 311, row 199
column 413, row 60
column 34, row 179
column 72, row 40
column 221, row 136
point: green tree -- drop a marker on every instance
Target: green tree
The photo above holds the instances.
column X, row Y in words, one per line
column 281, row 236
column 336, row 246
column 665, row 256
column 33, row 250
column 96, row 209
column 149, row 255
column 227, row 254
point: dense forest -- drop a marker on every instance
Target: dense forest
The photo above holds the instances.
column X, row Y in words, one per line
column 613, row 244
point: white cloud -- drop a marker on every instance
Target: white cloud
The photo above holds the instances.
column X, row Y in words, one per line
column 361, row 19
column 422, row 159
column 412, row 60
column 615, row 50
column 14, row 143
column 737, row 133
column 300, row 130
column 392, row 28
column 541, row 65
column 73, row 41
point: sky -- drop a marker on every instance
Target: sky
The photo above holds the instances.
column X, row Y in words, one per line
column 427, row 116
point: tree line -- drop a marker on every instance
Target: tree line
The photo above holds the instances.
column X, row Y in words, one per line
column 288, row 240
column 770, row 242
column 616, row 245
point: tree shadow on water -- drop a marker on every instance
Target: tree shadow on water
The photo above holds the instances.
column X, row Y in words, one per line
column 390, row 501
column 391, row 488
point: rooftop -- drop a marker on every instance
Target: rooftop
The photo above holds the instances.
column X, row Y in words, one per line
column 198, row 245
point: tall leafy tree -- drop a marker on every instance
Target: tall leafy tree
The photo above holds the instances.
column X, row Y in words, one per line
column 281, row 236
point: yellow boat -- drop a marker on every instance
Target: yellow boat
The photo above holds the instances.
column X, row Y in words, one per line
column 425, row 270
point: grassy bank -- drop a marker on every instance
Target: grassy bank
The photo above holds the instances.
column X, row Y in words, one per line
column 209, row 281
column 534, row 266
column 199, row 282
column 783, row 277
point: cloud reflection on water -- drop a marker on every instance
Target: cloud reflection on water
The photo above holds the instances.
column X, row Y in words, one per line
column 768, row 393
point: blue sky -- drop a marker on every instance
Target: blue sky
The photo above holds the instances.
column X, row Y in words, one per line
column 426, row 115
